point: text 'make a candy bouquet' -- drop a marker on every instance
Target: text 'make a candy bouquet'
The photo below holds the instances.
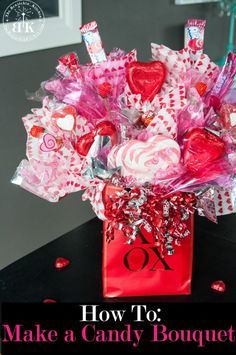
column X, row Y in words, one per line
column 149, row 143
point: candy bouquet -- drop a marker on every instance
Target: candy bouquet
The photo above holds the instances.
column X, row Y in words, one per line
column 149, row 143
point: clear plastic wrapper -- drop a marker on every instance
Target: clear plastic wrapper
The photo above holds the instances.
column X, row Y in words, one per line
column 223, row 83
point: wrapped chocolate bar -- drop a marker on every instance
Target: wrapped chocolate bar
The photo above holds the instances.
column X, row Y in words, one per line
column 150, row 143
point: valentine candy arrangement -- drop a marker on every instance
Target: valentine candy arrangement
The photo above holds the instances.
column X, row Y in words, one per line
column 149, row 143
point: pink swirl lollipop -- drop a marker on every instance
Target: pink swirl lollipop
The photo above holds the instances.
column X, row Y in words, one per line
column 142, row 160
column 49, row 143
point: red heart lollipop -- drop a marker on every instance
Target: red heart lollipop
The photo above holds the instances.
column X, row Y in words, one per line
column 49, row 300
column 218, row 286
column 61, row 263
column 146, row 78
column 104, row 128
column 201, row 147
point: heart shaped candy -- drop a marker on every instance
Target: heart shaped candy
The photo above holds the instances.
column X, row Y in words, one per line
column 142, row 160
column 146, row 78
column 61, row 263
column 49, row 143
column 66, row 123
column 84, row 143
column 218, row 286
column 104, row 128
column 201, row 147
column 49, row 300
column 64, row 117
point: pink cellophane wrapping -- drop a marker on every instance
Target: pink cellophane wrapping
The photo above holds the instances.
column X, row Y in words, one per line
column 54, row 171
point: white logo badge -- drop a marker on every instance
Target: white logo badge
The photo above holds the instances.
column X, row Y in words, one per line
column 23, row 21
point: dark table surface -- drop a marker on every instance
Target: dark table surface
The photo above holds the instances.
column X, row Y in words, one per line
column 34, row 278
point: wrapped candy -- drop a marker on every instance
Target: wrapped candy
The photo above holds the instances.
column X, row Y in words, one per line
column 93, row 42
column 69, row 65
column 194, row 36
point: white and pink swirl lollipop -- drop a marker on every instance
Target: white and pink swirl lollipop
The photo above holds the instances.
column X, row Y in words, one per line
column 142, row 160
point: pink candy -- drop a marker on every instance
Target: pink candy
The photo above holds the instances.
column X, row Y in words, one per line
column 143, row 160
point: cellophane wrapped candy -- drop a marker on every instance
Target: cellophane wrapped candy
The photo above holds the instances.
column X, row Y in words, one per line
column 150, row 143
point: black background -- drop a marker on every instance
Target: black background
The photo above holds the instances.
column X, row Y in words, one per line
column 174, row 316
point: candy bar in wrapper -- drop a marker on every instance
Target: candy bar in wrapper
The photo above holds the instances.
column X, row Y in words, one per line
column 68, row 65
column 93, row 42
column 194, row 37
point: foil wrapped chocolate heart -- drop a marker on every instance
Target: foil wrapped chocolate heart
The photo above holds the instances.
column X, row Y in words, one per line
column 104, row 128
column 218, row 286
column 146, row 78
column 201, row 148
column 61, row 263
column 49, row 300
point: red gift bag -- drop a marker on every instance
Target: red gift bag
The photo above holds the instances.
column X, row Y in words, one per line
column 139, row 269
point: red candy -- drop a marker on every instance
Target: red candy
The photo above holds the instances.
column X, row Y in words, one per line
column 84, row 143
column 195, row 44
column 146, row 118
column 36, row 131
column 146, row 78
column 70, row 61
column 49, row 300
column 215, row 102
column 67, row 110
column 61, row 263
column 104, row 89
column 201, row 147
column 104, row 128
column 218, row 286
column 201, row 88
